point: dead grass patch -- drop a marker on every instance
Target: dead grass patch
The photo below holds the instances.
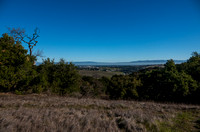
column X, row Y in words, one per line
column 53, row 113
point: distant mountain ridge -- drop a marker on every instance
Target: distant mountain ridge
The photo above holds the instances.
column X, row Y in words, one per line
column 131, row 63
column 140, row 62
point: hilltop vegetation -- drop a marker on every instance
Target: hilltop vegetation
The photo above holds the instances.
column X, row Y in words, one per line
column 18, row 74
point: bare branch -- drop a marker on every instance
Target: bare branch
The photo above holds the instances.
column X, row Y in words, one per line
column 39, row 53
column 19, row 35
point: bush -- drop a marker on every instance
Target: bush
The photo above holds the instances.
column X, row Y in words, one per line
column 167, row 84
column 61, row 78
column 16, row 66
column 92, row 87
column 123, row 87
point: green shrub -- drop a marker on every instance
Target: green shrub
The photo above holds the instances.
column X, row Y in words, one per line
column 16, row 70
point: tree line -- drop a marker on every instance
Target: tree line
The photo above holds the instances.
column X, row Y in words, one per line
column 18, row 74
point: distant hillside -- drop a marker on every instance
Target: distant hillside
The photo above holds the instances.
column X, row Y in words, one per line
column 140, row 62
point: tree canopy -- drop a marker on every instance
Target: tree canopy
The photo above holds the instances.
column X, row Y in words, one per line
column 18, row 74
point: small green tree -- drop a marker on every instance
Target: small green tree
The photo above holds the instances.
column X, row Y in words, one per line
column 123, row 87
column 16, row 70
column 67, row 77
column 61, row 78
column 193, row 66
column 167, row 84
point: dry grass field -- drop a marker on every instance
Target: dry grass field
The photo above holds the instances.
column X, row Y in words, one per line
column 42, row 113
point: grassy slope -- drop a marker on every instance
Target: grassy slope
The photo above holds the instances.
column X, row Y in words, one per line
column 52, row 113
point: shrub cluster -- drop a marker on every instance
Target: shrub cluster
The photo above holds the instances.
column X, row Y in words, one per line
column 171, row 83
column 18, row 74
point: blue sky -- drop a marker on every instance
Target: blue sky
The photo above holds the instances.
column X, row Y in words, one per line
column 108, row 30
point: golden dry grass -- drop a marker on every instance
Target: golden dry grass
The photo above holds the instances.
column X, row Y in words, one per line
column 41, row 113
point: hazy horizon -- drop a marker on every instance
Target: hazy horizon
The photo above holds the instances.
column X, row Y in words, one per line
column 130, row 63
column 108, row 30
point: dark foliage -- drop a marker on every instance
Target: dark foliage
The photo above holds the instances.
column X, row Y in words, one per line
column 92, row 87
column 174, row 83
column 123, row 87
column 19, row 74
column 61, row 78
column 167, row 84
column 16, row 66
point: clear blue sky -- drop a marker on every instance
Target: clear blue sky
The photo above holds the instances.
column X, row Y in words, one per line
column 108, row 30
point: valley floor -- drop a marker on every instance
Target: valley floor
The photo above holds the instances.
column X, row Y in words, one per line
column 43, row 113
